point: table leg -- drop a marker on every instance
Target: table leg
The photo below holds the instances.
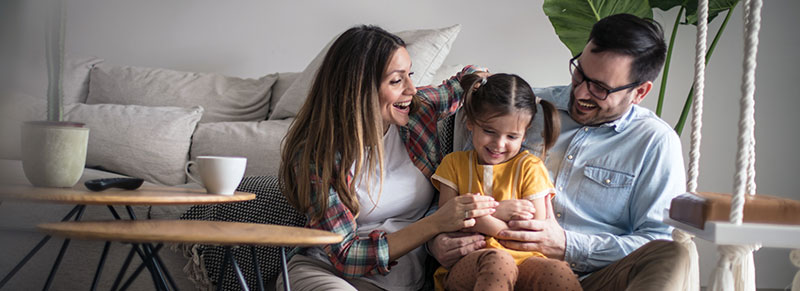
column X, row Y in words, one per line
column 159, row 286
column 100, row 265
column 285, row 270
column 242, row 281
column 124, row 268
column 61, row 252
column 223, row 268
column 257, row 268
column 155, row 266
column 35, row 250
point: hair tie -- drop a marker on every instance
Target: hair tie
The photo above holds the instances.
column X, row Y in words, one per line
column 538, row 100
column 483, row 81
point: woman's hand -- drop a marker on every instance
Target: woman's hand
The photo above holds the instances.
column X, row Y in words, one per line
column 449, row 247
column 520, row 207
column 460, row 212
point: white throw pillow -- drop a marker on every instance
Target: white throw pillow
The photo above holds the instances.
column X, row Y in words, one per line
column 259, row 142
column 151, row 143
column 428, row 49
column 225, row 98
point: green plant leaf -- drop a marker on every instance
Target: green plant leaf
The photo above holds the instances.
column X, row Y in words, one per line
column 573, row 19
column 715, row 7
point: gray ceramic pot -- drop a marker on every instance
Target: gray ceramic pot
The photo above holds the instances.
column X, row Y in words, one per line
column 54, row 153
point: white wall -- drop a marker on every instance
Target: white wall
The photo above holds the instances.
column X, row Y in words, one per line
column 249, row 38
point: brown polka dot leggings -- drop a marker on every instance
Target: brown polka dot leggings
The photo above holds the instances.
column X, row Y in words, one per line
column 494, row 269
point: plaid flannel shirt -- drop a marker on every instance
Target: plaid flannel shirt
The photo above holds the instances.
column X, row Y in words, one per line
column 363, row 256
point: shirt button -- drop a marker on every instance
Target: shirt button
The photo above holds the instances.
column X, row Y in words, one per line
column 560, row 188
column 608, row 181
column 558, row 214
column 585, row 129
column 569, row 157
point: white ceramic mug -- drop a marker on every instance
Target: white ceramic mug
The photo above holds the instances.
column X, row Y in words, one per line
column 219, row 175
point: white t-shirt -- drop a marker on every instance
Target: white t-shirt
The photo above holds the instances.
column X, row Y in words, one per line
column 404, row 199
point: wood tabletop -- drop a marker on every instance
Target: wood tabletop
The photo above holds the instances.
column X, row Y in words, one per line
column 191, row 231
column 146, row 195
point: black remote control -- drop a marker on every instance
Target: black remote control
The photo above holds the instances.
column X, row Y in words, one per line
column 123, row 183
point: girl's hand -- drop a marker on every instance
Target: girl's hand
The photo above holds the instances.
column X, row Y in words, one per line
column 508, row 208
column 460, row 212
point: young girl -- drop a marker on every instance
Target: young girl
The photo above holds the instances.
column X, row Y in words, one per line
column 498, row 111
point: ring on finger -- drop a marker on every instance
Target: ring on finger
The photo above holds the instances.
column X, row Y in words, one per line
column 466, row 214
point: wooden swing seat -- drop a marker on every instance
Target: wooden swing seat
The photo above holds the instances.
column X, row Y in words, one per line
column 695, row 208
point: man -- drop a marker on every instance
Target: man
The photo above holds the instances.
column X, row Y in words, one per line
column 616, row 166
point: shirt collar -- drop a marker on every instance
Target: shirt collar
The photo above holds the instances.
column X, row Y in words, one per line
column 622, row 123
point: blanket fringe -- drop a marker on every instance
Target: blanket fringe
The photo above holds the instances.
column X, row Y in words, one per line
column 195, row 268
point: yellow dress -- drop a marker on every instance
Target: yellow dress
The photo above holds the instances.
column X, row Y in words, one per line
column 522, row 177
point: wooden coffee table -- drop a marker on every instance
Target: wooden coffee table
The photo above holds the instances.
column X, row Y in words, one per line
column 196, row 231
column 80, row 196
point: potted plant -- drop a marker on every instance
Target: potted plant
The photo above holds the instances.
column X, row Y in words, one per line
column 54, row 151
column 573, row 20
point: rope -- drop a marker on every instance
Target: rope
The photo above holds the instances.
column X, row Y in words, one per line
column 735, row 261
column 746, row 143
column 691, row 274
column 699, row 90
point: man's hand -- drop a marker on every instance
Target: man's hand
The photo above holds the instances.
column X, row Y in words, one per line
column 545, row 236
column 449, row 247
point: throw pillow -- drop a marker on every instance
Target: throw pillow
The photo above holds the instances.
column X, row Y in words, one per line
column 259, row 142
column 428, row 49
column 225, row 98
column 151, row 143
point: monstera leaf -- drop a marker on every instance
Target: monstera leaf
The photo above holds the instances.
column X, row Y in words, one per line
column 573, row 19
column 715, row 7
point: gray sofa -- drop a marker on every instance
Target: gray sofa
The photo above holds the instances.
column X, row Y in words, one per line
column 146, row 123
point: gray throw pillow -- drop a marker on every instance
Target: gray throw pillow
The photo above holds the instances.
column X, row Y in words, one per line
column 151, row 143
column 259, row 142
column 225, row 98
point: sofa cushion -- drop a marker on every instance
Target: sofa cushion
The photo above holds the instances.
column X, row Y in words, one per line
column 259, row 142
column 428, row 49
column 285, row 80
column 225, row 98
column 151, row 143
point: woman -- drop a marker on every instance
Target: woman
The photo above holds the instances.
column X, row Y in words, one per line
column 357, row 161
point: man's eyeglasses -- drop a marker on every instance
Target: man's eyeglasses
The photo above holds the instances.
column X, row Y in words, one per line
column 597, row 90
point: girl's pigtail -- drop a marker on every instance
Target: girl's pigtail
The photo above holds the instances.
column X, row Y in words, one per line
column 552, row 125
column 468, row 83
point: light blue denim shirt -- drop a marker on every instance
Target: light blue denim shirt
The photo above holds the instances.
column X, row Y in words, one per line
column 613, row 181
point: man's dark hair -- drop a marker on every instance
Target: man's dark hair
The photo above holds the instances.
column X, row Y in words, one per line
column 640, row 38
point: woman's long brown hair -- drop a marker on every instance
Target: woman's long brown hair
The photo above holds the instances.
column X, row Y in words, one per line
column 340, row 124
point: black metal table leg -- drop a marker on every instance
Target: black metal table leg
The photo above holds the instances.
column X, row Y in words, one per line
column 257, row 268
column 223, row 268
column 100, row 266
column 35, row 249
column 138, row 270
column 61, row 252
column 242, row 281
column 285, row 270
column 121, row 273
